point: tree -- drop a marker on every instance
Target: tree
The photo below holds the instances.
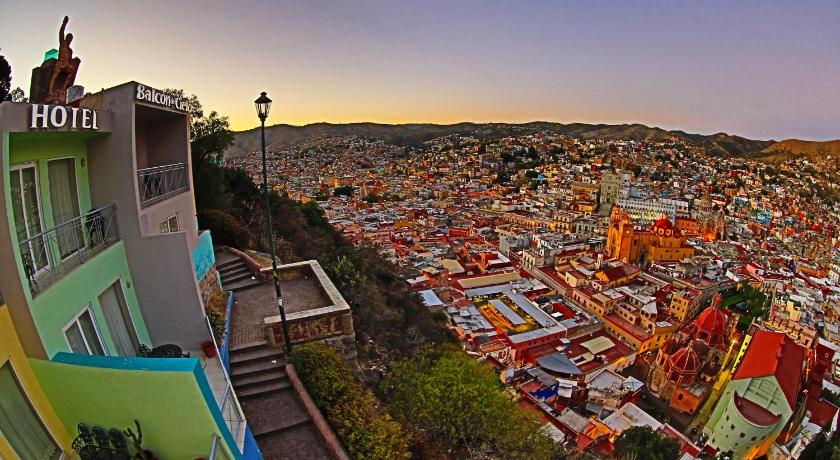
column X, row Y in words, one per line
column 5, row 78
column 210, row 137
column 642, row 443
column 344, row 190
column 195, row 109
column 365, row 431
column 460, row 403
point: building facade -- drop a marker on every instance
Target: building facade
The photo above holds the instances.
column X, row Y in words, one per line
column 662, row 241
column 102, row 260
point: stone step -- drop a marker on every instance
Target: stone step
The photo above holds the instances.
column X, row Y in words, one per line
column 230, row 279
column 263, row 388
column 233, row 271
column 256, row 353
column 251, row 380
column 240, row 285
column 278, row 426
column 229, row 263
column 256, row 367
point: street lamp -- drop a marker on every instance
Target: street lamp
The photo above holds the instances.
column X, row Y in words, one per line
column 263, row 105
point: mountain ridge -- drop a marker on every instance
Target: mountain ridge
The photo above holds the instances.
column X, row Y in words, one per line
column 723, row 144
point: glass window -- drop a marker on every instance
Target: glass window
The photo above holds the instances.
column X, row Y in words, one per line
column 170, row 224
column 19, row 423
column 82, row 335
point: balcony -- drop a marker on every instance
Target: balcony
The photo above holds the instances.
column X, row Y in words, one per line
column 55, row 252
column 160, row 182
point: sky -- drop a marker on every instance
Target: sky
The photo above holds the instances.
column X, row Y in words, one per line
column 762, row 69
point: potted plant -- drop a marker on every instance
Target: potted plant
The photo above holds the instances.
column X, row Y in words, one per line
column 209, row 348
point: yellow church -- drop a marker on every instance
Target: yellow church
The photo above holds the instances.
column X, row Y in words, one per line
column 662, row 241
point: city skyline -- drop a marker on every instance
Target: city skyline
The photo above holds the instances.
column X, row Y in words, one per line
column 760, row 71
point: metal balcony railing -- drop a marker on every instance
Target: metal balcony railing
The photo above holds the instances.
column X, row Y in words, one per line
column 160, row 182
column 217, row 452
column 51, row 254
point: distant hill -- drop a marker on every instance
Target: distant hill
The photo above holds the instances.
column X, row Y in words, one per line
column 793, row 148
column 414, row 134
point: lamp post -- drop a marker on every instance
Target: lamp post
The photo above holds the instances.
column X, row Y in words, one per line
column 263, row 104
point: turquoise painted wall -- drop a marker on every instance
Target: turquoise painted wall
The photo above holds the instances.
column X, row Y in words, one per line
column 168, row 396
column 203, row 256
column 58, row 304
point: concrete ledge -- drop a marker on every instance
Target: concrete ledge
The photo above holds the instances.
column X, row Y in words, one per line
column 330, row 439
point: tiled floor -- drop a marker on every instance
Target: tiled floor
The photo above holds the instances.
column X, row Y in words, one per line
column 218, row 384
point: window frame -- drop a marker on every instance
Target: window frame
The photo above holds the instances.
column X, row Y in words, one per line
column 16, row 376
column 75, row 322
column 168, row 226
column 16, row 168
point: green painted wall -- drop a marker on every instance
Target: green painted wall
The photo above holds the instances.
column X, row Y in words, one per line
column 176, row 421
column 720, row 429
column 58, row 304
column 62, row 301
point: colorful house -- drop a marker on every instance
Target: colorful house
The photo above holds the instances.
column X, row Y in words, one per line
column 761, row 397
column 101, row 257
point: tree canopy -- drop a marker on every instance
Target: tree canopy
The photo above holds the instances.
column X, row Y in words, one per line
column 642, row 443
column 461, row 404
column 5, row 78
column 365, row 431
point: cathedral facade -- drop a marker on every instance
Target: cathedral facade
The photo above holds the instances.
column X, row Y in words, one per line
column 688, row 364
column 635, row 245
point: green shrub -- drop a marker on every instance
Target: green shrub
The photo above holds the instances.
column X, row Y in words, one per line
column 365, row 431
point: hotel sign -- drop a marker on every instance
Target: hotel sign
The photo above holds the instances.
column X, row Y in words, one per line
column 157, row 97
column 45, row 116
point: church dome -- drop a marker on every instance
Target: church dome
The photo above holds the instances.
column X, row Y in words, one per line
column 663, row 222
column 711, row 325
column 685, row 361
column 712, row 321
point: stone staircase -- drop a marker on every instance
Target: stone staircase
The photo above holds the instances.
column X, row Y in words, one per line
column 235, row 274
column 278, row 419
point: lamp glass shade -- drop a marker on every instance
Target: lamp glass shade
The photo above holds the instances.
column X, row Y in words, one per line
column 263, row 105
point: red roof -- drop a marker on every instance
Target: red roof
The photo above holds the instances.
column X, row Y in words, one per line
column 685, row 361
column 774, row 353
column 822, row 411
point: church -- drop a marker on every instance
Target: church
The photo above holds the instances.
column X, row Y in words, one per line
column 662, row 241
column 688, row 364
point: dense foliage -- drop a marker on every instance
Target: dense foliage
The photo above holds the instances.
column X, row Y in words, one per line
column 822, row 447
column 366, row 431
column 642, row 443
column 461, row 404
column 748, row 302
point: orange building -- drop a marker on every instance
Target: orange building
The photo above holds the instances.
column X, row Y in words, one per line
column 631, row 244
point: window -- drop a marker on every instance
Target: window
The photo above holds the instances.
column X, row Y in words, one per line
column 741, row 435
column 170, row 224
column 82, row 336
column 26, row 207
column 19, row 422
column 680, row 397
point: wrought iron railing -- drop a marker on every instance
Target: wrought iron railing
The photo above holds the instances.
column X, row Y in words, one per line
column 160, row 182
column 51, row 254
